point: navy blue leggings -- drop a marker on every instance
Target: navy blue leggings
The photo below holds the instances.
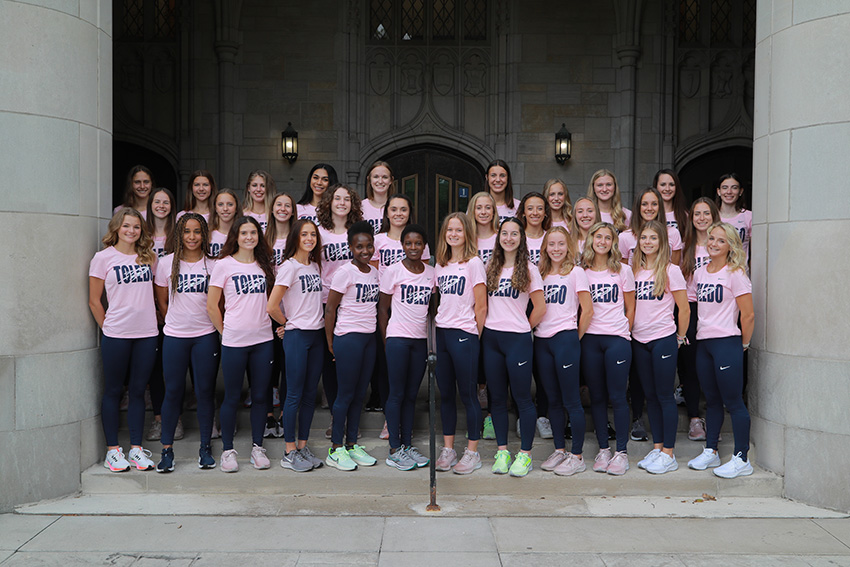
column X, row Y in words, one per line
column 605, row 362
column 688, row 365
column 355, row 356
column 406, row 359
column 131, row 359
column 329, row 384
column 558, row 362
column 235, row 361
column 457, row 364
column 304, row 358
column 720, row 367
column 655, row 364
column 508, row 358
column 156, row 385
column 203, row 354
column 380, row 383
column 278, row 379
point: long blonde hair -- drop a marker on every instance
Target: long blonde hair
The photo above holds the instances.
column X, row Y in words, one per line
column 736, row 259
column 662, row 258
column 143, row 246
column 545, row 265
column 567, row 208
column 614, row 256
column 618, row 216
column 575, row 229
column 470, row 247
column 470, row 211
column 248, row 201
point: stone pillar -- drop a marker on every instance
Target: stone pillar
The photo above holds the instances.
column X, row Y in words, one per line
column 226, row 49
column 800, row 386
column 55, row 182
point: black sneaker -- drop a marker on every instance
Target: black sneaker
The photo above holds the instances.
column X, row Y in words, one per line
column 166, row 463
column 612, row 435
column 568, row 431
column 205, row 458
column 271, row 427
column 638, row 431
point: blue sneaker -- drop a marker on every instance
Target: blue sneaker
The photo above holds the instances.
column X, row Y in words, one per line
column 166, row 463
column 205, row 458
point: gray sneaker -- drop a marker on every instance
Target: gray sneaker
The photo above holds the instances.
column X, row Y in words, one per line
column 155, row 432
column 418, row 458
column 308, row 454
column 295, row 460
column 400, row 460
column 638, row 432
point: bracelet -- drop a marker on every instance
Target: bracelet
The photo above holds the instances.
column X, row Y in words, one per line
column 682, row 340
column 746, row 346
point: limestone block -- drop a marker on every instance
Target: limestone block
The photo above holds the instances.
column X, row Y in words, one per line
column 7, row 393
column 779, row 174
column 781, row 17
column 820, row 162
column 758, row 274
column 537, row 117
column 597, row 129
column 89, row 190
column 104, row 180
column 104, row 81
column 565, row 94
column 761, row 97
column 816, row 467
column 256, row 126
column 805, row 11
column 89, row 11
column 70, row 7
column 761, row 182
column 105, row 16
column 769, row 438
column 764, row 17
column 92, row 442
column 534, row 48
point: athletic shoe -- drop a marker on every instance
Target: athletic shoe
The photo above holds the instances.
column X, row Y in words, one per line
column 166, row 462
column 736, row 466
column 385, row 433
column 638, row 432
column 471, row 461
column 295, row 460
column 278, row 430
column 314, row 460
column 155, row 431
column 619, row 464
column 678, row 396
column 522, row 465
column 571, row 465
column 555, row 459
column 400, row 460
column 544, row 428
column 228, row 461
column 247, row 401
column 664, row 463
column 696, row 429
column 418, row 458
column 708, row 458
column 503, row 462
column 568, row 431
column 359, row 455
column 276, row 397
column 612, row 435
column 259, row 458
column 447, row 459
column 489, row 431
column 600, row 463
column 271, row 426
column 179, row 432
column 339, row 459
column 140, row 458
column 205, row 458
column 115, row 461
column 651, row 456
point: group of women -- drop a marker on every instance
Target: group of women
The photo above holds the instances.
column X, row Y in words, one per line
column 565, row 295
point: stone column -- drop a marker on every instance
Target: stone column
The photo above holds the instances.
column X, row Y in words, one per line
column 55, row 182
column 226, row 49
column 800, row 386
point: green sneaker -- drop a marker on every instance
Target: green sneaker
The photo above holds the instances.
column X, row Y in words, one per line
column 489, row 432
column 339, row 459
column 503, row 462
column 359, row 455
column 522, row 464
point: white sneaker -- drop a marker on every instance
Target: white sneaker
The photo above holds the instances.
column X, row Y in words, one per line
column 708, row 458
column 736, row 466
column 115, row 461
column 140, row 458
column 649, row 458
column 663, row 463
column 544, row 428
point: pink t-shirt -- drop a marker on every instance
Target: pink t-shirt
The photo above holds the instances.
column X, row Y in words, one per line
column 302, row 301
column 372, row 214
column 159, row 246
column 457, row 300
column 358, row 308
column 702, row 258
column 628, row 242
column 217, row 240
column 187, row 315
column 743, row 223
column 654, row 315
column 606, row 217
column 335, row 253
column 506, row 306
column 389, row 252
column 411, row 295
column 277, row 249
column 561, row 293
column 534, row 245
column 261, row 218
column 562, row 224
column 129, row 293
column 609, row 308
column 307, row 211
column 718, row 309
column 144, row 214
column 505, row 212
column 246, row 321
column 485, row 248
column 670, row 218
column 205, row 215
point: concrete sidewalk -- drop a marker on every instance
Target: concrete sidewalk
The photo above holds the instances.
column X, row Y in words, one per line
column 286, row 541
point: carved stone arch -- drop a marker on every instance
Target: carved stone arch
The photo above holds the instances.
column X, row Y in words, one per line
column 687, row 154
column 443, row 64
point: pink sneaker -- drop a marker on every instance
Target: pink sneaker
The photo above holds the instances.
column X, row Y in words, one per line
column 619, row 464
column 447, row 459
column 553, row 461
column 471, row 461
column 228, row 461
column 600, row 464
column 385, row 434
column 571, row 465
column 696, row 429
column 259, row 458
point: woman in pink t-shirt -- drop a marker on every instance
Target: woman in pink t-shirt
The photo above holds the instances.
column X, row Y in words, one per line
column 649, row 206
column 407, row 286
column 585, row 215
column 560, row 205
column 462, row 283
column 321, row 177
column 225, row 211
column 512, row 281
column 656, row 337
column 298, row 292
column 200, row 194
column 604, row 191
column 557, row 351
column 259, row 192
column 123, row 269
column 351, row 339
column 723, row 293
column 243, row 275
column 536, row 216
column 703, row 214
column 499, row 185
column 606, row 354
column 666, row 182
column 181, row 284
column 730, row 201
column 137, row 190
column 160, row 221
column 379, row 188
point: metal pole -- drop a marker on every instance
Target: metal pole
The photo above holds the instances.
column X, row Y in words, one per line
column 432, row 415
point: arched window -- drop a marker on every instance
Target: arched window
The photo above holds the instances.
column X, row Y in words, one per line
column 395, row 22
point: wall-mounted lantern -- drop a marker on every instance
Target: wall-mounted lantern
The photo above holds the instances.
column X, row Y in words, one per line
column 289, row 143
column 563, row 144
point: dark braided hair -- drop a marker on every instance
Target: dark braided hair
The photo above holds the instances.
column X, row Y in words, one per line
column 178, row 245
